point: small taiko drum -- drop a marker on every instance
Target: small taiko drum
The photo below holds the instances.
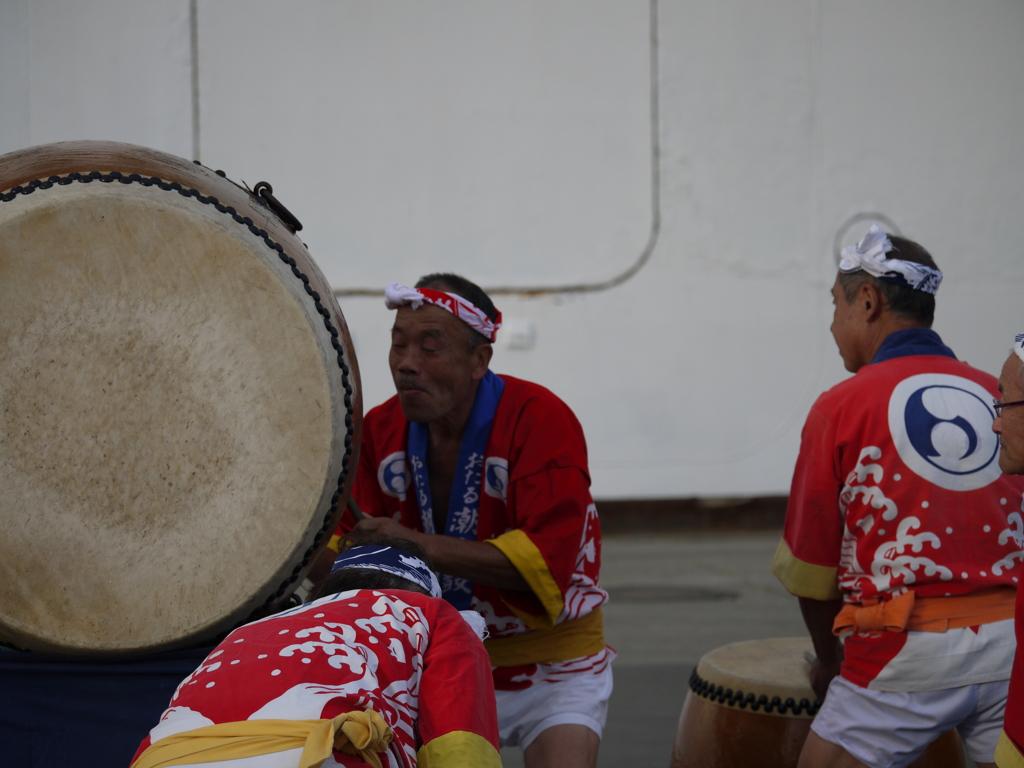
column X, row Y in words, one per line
column 750, row 703
column 179, row 401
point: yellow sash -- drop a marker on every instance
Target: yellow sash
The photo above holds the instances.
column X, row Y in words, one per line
column 361, row 734
column 569, row 640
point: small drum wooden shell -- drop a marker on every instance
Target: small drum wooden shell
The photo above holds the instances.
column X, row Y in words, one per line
column 750, row 703
column 180, row 405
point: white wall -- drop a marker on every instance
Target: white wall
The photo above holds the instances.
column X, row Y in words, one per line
column 513, row 142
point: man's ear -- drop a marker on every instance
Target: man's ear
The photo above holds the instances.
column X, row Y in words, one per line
column 481, row 360
column 871, row 301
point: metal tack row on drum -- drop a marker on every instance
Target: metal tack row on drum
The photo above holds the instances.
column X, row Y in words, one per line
column 180, row 405
column 751, row 703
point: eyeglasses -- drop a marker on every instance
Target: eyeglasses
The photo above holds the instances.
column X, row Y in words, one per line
column 998, row 406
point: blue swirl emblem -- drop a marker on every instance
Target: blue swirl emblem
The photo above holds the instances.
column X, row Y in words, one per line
column 942, row 428
column 496, row 478
column 923, row 426
column 393, row 475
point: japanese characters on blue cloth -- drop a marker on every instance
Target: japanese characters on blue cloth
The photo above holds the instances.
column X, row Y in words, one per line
column 464, row 505
column 390, row 560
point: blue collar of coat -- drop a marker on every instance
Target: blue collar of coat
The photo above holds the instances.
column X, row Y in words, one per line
column 912, row 341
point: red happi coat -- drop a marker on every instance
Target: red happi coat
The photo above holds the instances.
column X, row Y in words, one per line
column 410, row 657
column 897, row 487
column 535, row 495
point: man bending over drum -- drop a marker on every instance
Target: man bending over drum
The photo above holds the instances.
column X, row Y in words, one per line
column 377, row 668
column 901, row 533
column 489, row 475
column 1009, row 425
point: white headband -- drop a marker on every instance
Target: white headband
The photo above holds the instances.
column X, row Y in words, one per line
column 869, row 255
column 1018, row 346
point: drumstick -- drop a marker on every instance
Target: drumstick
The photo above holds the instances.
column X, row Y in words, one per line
column 357, row 513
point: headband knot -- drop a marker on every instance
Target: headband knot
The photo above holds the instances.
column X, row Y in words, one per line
column 397, row 295
column 390, row 560
column 1018, row 346
column 870, row 255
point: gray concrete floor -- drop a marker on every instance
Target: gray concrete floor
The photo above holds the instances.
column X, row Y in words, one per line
column 674, row 597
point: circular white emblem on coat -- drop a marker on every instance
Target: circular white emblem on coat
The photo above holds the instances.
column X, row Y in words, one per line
column 496, row 478
column 393, row 475
column 942, row 428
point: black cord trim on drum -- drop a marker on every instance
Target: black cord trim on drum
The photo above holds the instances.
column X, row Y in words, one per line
column 173, row 186
column 738, row 700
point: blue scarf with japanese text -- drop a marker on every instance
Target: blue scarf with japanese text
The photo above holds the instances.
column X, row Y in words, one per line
column 464, row 506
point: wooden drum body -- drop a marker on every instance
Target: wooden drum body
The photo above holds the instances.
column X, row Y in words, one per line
column 751, row 703
column 179, row 402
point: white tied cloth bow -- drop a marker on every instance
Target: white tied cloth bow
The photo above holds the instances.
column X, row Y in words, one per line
column 1018, row 346
column 397, row 295
column 870, row 255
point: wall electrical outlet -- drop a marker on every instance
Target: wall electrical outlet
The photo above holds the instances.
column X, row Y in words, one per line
column 519, row 333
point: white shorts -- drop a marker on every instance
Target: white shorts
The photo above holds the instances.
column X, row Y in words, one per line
column 893, row 728
column 580, row 699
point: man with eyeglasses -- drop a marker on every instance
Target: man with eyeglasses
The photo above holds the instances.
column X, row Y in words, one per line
column 902, row 536
column 1009, row 425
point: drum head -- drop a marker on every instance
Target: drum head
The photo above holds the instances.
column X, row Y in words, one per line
column 177, row 415
column 767, row 676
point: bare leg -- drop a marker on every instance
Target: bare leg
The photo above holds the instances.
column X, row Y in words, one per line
column 563, row 746
column 818, row 753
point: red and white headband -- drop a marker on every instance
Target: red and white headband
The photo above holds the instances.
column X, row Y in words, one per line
column 397, row 295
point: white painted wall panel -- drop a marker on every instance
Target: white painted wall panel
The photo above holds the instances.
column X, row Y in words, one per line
column 14, row 58
column 506, row 140
column 513, row 142
column 106, row 69
column 919, row 106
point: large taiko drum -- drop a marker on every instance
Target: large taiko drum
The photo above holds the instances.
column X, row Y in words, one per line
column 751, row 703
column 179, row 402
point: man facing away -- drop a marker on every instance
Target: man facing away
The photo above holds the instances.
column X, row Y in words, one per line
column 899, row 532
column 489, row 475
column 1009, row 425
column 376, row 670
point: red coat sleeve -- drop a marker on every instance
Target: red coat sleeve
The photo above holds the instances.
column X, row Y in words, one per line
column 456, row 689
column 807, row 561
column 549, row 507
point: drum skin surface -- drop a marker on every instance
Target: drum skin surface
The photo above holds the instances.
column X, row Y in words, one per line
column 179, row 402
column 719, row 735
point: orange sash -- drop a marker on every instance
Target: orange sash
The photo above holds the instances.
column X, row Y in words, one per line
column 926, row 614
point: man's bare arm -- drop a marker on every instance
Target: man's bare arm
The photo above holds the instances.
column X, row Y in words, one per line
column 819, row 616
column 473, row 560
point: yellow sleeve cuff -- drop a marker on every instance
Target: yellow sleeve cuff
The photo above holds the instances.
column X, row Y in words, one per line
column 530, row 563
column 458, row 749
column 818, row 582
column 1007, row 754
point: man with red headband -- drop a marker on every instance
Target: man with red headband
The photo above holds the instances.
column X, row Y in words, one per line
column 489, row 475
column 901, row 534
